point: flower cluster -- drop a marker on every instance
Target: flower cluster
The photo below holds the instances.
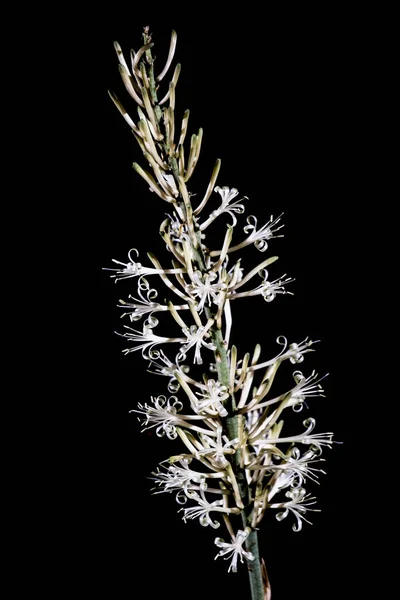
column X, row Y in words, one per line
column 228, row 422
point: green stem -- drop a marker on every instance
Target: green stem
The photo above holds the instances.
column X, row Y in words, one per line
column 258, row 591
column 257, row 587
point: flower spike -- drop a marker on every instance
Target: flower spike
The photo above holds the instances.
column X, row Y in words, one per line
column 237, row 458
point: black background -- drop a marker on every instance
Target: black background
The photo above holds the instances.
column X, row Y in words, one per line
column 280, row 100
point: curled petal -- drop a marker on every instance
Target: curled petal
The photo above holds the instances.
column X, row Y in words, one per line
column 252, row 224
column 153, row 354
column 151, row 322
column 205, row 521
column 261, row 245
column 173, row 386
column 181, row 497
column 297, row 526
column 282, row 515
column 309, row 424
column 168, row 429
column 144, row 288
column 298, row 407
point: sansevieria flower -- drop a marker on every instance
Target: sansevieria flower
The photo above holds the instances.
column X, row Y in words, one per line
column 237, row 462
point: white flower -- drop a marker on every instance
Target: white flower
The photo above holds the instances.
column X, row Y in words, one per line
column 203, row 288
column 307, row 387
column 227, row 195
column 134, row 269
column 292, row 471
column 299, row 465
column 195, row 338
column 316, row 440
column 217, row 448
column 298, row 504
column 167, row 368
column 162, row 415
column 296, row 397
column 130, row 269
column 261, row 236
column 212, row 397
column 203, row 509
column 269, row 289
column 185, row 481
column 144, row 305
column 234, row 549
column 180, row 479
column 146, row 339
column 296, row 351
column 136, row 310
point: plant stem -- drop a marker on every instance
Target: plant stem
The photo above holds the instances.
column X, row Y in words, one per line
column 258, row 591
